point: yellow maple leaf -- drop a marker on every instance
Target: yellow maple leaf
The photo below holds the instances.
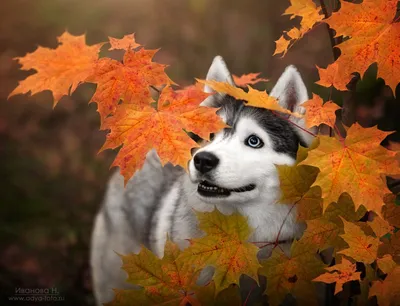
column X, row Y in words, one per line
column 362, row 247
column 353, row 166
column 344, row 208
column 380, row 226
column 318, row 112
column 140, row 129
column 342, row 273
column 282, row 45
column 292, row 275
column 295, row 182
column 386, row 263
column 253, row 97
column 166, row 281
column 60, row 70
column 225, row 247
column 321, row 234
column 374, row 38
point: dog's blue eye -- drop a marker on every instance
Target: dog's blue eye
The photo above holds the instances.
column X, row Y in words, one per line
column 254, row 141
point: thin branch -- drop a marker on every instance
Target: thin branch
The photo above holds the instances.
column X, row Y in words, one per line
column 330, row 31
column 155, row 88
column 291, row 122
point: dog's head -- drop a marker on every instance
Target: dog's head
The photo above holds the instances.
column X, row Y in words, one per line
column 238, row 164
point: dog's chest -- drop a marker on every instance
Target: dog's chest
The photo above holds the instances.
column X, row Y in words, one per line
column 176, row 218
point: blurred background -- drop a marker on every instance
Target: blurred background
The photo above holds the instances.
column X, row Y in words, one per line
column 52, row 179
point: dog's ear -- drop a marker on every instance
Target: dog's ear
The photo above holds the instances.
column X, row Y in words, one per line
column 291, row 92
column 220, row 73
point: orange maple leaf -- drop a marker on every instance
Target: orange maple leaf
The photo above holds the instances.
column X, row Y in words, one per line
column 129, row 81
column 374, row 38
column 60, row 70
column 246, row 79
column 391, row 211
column 310, row 15
column 362, row 247
column 387, row 291
column 331, row 77
column 140, row 129
column 344, row 272
column 253, row 97
column 318, row 113
column 125, row 43
column 386, row 263
column 380, row 226
column 354, row 165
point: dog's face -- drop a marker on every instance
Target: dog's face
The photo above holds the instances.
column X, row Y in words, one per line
column 238, row 164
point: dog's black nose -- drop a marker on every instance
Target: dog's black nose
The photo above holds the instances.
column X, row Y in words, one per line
column 205, row 161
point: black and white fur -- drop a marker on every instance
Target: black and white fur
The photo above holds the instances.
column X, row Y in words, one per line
column 231, row 173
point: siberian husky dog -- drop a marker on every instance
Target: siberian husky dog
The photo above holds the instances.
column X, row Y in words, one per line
column 234, row 172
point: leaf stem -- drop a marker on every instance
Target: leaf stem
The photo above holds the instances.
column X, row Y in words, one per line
column 291, row 122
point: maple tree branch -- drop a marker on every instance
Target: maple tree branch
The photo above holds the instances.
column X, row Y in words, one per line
column 155, row 88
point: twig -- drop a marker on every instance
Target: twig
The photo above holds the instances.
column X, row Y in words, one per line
column 155, row 88
column 291, row 122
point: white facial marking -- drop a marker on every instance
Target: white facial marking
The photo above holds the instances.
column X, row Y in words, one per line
column 241, row 165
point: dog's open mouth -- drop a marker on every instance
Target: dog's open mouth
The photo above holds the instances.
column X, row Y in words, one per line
column 207, row 189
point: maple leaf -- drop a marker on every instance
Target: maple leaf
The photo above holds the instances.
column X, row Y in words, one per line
column 342, row 273
column 308, row 11
column 386, row 263
column 391, row 211
column 254, row 97
column 125, row 43
column 380, row 226
column 246, row 79
column 387, row 291
column 59, row 70
column 353, row 166
column 391, row 246
column 227, row 297
column 321, row 234
column 295, row 182
column 331, row 77
column 344, row 208
column 362, row 248
column 282, row 45
column 365, row 283
column 374, row 38
column 166, row 281
column 318, row 113
column 128, row 81
column 225, row 247
column 140, row 129
column 292, row 274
